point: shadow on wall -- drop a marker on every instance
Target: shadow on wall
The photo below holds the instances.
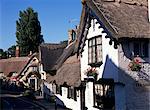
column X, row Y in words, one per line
column 51, row 97
column 136, row 88
column 110, row 69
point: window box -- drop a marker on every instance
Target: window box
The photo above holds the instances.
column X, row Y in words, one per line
column 91, row 73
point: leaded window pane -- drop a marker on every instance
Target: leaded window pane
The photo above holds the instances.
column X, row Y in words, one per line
column 95, row 50
column 98, row 40
column 136, row 49
column 99, row 53
column 140, row 48
column 93, row 42
column 90, row 55
column 93, row 55
column 90, row 43
column 104, row 95
column 145, row 49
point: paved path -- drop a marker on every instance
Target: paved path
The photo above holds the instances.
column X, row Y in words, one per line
column 48, row 105
column 15, row 101
column 19, row 103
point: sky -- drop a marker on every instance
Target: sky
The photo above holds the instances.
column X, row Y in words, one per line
column 55, row 16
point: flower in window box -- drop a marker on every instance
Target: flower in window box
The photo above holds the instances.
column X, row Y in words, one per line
column 135, row 65
column 91, row 72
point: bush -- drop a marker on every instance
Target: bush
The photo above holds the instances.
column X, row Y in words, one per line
column 29, row 94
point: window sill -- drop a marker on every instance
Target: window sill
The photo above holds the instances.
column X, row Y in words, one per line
column 97, row 64
column 98, row 107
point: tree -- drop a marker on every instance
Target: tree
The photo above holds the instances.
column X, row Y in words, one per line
column 3, row 54
column 65, row 42
column 11, row 50
column 28, row 31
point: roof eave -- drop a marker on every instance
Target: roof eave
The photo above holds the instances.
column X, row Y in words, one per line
column 101, row 17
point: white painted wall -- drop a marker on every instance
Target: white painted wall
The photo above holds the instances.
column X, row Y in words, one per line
column 120, row 102
column 89, row 95
column 69, row 103
column 136, row 97
column 110, row 55
column 109, row 68
column 42, row 72
column 64, row 91
column 62, row 99
column 89, row 103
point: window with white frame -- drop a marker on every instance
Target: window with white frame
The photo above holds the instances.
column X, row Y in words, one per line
column 140, row 48
column 104, row 94
column 95, row 50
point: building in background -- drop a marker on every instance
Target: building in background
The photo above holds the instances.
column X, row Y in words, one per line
column 22, row 71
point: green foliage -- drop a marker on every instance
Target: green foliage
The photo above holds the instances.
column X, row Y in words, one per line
column 3, row 54
column 12, row 50
column 91, row 72
column 28, row 31
column 65, row 42
column 135, row 65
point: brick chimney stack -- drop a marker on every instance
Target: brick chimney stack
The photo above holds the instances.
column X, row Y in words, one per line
column 17, row 51
column 71, row 35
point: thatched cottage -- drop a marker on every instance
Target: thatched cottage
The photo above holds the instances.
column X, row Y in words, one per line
column 114, row 45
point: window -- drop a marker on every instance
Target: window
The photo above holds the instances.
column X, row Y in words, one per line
column 32, row 83
column 72, row 93
column 58, row 89
column 104, row 94
column 34, row 68
column 95, row 50
column 140, row 48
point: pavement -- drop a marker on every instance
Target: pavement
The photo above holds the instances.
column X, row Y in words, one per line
column 47, row 104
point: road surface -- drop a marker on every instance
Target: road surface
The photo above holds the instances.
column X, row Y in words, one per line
column 15, row 102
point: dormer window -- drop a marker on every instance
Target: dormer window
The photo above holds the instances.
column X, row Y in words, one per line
column 140, row 48
column 95, row 50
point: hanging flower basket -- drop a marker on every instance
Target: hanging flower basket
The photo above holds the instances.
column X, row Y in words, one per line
column 91, row 72
column 135, row 65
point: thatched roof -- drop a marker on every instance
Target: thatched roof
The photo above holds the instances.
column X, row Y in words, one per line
column 123, row 18
column 69, row 72
column 66, row 53
column 68, row 68
column 49, row 54
column 14, row 64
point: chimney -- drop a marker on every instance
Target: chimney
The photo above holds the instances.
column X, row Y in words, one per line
column 149, row 10
column 71, row 35
column 17, row 51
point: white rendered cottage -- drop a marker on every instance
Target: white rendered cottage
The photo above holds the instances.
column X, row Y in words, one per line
column 62, row 68
column 114, row 42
